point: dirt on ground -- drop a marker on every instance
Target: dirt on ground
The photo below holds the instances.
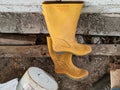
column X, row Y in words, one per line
column 98, row 66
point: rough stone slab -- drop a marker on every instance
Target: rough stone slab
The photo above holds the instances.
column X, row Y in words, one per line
column 13, row 39
column 42, row 51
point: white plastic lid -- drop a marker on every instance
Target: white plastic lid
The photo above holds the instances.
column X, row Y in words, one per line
column 42, row 78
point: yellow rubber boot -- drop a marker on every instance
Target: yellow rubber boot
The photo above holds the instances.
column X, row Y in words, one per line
column 61, row 19
column 64, row 65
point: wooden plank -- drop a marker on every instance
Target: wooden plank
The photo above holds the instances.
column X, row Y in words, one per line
column 20, row 23
column 21, row 2
column 42, row 51
column 23, row 51
column 98, row 2
column 91, row 6
column 97, row 24
column 109, row 50
column 29, row 23
column 21, row 5
column 13, row 39
column 100, row 6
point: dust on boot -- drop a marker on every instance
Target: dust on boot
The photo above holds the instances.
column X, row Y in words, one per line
column 64, row 65
column 61, row 19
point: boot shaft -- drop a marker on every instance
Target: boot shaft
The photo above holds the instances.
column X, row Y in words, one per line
column 62, row 18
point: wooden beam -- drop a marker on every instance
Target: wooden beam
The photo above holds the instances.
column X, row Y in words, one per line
column 97, row 24
column 29, row 23
column 91, row 6
column 42, row 51
column 20, row 23
column 13, row 39
column 23, row 51
column 110, row 50
column 21, row 6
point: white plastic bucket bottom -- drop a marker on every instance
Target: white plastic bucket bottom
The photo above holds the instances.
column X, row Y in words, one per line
column 37, row 79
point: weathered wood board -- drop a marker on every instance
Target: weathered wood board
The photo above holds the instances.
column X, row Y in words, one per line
column 91, row 6
column 23, row 51
column 21, row 5
column 20, row 23
column 42, row 51
column 103, row 49
column 29, row 23
column 97, row 24
column 100, row 6
column 17, row 39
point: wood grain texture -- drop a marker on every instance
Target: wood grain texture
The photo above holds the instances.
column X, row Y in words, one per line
column 42, row 51
column 23, row 51
column 34, row 23
column 104, row 49
column 14, row 39
column 20, row 23
column 97, row 24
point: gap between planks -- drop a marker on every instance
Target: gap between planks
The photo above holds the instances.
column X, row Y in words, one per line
column 42, row 50
column 17, row 39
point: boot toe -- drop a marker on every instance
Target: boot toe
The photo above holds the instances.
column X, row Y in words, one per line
column 88, row 49
column 82, row 50
column 81, row 74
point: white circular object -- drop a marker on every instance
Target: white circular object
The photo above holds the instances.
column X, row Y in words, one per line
column 42, row 78
column 37, row 79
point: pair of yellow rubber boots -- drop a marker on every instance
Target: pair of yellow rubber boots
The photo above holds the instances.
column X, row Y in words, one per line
column 61, row 19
